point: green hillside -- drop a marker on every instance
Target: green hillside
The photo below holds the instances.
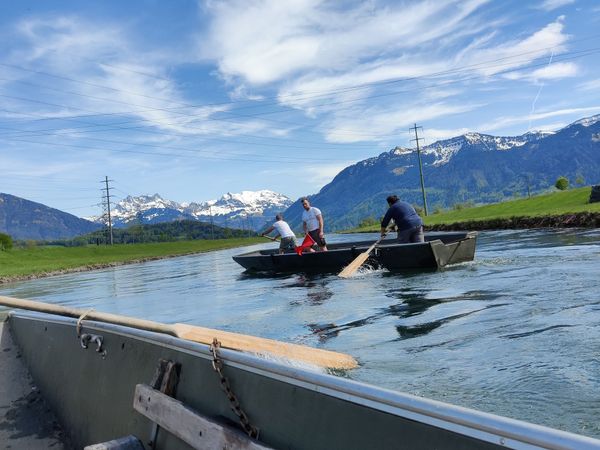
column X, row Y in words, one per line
column 553, row 204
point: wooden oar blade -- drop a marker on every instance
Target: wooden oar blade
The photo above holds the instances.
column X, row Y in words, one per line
column 354, row 265
column 254, row 344
column 234, row 341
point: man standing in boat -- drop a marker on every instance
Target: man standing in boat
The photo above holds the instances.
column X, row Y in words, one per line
column 288, row 238
column 410, row 225
column 312, row 221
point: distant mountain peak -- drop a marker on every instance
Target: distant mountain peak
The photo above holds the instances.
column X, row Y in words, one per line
column 588, row 121
column 401, row 151
column 24, row 219
column 233, row 208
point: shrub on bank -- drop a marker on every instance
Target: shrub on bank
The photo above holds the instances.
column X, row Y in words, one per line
column 6, row 242
column 562, row 183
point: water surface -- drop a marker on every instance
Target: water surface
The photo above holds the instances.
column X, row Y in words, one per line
column 515, row 332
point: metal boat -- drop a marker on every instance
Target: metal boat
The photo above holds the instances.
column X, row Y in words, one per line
column 112, row 386
column 439, row 250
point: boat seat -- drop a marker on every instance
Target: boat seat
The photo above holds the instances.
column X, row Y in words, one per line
column 157, row 402
column 196, row 430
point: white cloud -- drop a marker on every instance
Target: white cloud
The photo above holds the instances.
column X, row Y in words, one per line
column 378, row 124
column 266, row 41
column 553, row 71
column 552, row 126
column 432, row 134
column 591, row 85
column 515, row 53
column 504, row 122
column 354, row 83
column 104, row 72
column 550, row 5
column 346, row 66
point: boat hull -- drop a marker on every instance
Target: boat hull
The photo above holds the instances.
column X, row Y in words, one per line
column 92, row 395
column 439, row 250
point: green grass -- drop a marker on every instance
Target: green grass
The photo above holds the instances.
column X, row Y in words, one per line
column 557, row 203
column 21, row 262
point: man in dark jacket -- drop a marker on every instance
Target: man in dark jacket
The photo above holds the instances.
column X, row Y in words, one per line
column 410, row 225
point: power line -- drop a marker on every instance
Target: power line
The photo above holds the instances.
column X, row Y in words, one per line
column 328, row 93
column 209, row 157
column 310, row 94
column 183, row 148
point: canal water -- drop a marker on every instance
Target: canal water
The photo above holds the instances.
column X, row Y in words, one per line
column 515, row 332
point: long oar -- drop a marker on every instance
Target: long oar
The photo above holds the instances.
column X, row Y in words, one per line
column 359, row 260
column 269, row 237
column 252, row 344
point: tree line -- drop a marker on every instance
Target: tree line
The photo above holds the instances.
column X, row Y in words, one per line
column 181, row 230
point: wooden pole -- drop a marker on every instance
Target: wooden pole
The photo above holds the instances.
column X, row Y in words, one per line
column 234, row 341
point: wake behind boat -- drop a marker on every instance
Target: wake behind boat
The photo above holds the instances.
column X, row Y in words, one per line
column 439, row 250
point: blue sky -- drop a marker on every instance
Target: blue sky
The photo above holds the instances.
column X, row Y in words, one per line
column 192, row 99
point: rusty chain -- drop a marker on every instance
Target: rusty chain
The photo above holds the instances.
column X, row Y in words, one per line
column 217, row 364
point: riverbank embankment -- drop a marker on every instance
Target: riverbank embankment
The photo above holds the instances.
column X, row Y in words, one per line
column 20, row 264
column 574, row 220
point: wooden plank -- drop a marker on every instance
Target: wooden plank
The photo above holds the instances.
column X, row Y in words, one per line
column 194, row 429
column 124, row 443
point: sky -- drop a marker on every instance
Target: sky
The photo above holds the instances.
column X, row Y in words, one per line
column 193, row 99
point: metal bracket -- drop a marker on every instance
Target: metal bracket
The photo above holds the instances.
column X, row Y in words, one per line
column 86, row 338
column 165, row 380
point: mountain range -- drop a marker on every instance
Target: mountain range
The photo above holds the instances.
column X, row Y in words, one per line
column 244, row 210
column 24, row 219
column 474, row 168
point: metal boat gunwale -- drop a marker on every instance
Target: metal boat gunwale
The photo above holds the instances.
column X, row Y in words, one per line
column 479, row 425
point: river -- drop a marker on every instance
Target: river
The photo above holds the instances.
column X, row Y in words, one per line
column 515, row 332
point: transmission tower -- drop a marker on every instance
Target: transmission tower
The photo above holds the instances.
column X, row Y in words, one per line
column 106, row 218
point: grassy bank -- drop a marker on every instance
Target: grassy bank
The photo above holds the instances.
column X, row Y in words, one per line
column 554, row 204
column 40, row 261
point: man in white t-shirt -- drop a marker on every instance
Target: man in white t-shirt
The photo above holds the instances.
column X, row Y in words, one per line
column 288, row 238
column 313, row 224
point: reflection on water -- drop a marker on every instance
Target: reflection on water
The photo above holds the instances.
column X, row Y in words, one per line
column 514, row 332
column 411, row 331
column 529, row 333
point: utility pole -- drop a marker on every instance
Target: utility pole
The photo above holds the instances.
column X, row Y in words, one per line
column 106, row 207
column 417, row 138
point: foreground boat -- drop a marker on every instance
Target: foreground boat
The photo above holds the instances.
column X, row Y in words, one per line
column 439, row 250
column 112, row 384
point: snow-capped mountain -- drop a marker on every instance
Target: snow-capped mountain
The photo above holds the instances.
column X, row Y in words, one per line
column 241, row 205
column 247, row 209
column 474, row 167
column 443, row 151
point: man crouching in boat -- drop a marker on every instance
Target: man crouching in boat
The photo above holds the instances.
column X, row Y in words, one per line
column 410, row 225
column 288, row 238
column 312, row 221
